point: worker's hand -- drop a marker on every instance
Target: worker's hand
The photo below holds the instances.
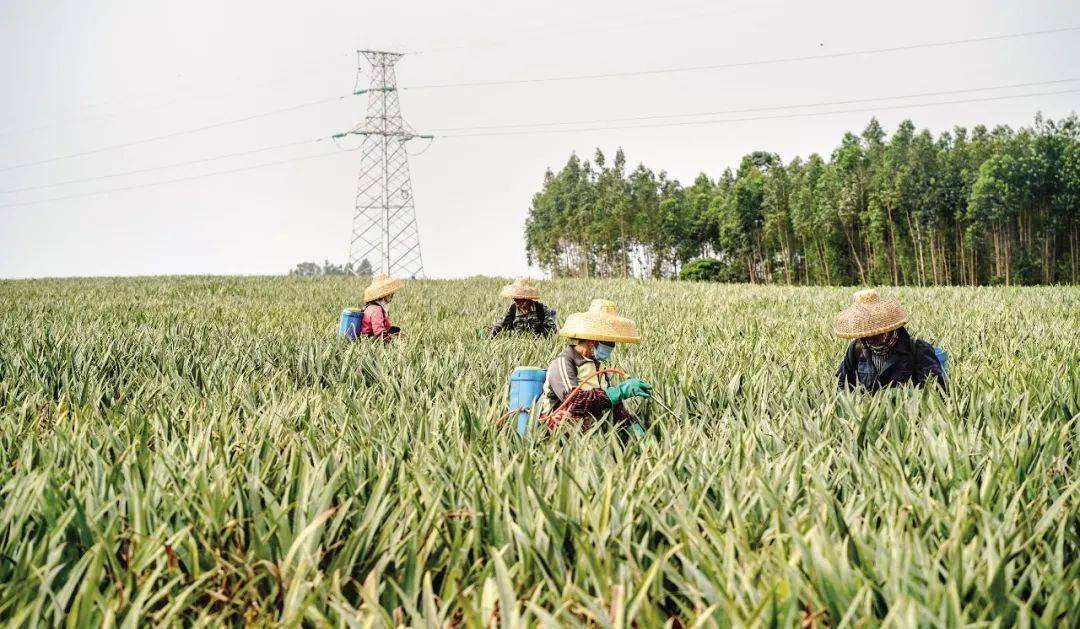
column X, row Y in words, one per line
column 634, row 387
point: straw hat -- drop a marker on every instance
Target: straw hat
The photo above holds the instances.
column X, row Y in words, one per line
column 600, row 323
column 868, row 315
column 521, row 289
column 381, row 286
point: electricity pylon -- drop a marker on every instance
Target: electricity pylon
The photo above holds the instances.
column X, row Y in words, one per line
column 384, row 223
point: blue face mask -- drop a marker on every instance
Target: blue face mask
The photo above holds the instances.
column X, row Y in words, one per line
column 603, row 351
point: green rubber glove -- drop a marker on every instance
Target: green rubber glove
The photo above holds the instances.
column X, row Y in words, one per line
column 634, row 387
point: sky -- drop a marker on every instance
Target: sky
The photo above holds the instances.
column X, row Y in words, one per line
column 102, row 79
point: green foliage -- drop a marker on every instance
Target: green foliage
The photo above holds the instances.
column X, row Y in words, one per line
column 706, row 270
column 205, row 451
column 979, row 207
column 311, row 269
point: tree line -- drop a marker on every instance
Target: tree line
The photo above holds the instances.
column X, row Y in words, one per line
column 978, row 206
column 312, row 269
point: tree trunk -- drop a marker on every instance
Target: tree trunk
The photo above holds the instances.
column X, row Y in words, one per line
column 961, row 256
column 997, row 251
column 1008, row 259
column 933, row 258
column 1074, row 246
column 1048, row 260
column 916, row 243
column 855, row 254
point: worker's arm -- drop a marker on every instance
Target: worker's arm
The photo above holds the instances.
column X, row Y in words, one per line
column 592, row 402
column 847, row 378
column 596, row 401
column 927, row 366
column 562, row 377
column 506, row 323
column 544, row 325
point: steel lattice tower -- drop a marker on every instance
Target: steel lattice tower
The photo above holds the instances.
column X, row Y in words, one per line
column 384, row 224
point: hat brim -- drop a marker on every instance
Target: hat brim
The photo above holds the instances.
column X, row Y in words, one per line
column 374, row 293
column 514, row 294
column 856, row 322
column 864, row 334
column 597, row 329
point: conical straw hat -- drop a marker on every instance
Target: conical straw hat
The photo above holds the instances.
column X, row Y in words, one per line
column 868, row 315
column 381, row 286
column 600, row 323
column 521, row 289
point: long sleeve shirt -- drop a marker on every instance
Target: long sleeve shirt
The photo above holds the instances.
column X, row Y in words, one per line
column 376, row 321
column 535, row 320
column 569, row 370
column 911, row 362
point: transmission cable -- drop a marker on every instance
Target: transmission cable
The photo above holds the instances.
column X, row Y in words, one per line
column 755, row 109
column 691, row 123
column 163, row 167
column 176, row 180
column 174, row 134
column 542, row 80
column 740, row 64
column 73, row 116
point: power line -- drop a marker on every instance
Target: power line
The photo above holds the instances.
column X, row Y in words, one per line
column 608, row 121
column 637, row 19
column 741, row 64
column 163, row 167
column 758, row 109
column 541, row 80
column 691, row 123
column 168, row 181
column 145, row 106
column 177, row 133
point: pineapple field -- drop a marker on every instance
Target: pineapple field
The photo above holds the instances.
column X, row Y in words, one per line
column 205, row 451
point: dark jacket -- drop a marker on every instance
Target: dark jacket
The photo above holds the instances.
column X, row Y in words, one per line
column 536, row 320
column 912, row 361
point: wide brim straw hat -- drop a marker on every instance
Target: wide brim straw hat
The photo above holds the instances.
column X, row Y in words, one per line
column 869, row 314
column 381, row 286
column 520, row 289
column 601, row 322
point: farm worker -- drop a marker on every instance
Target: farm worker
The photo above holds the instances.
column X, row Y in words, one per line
column 882, row 353
column 377, row 298
column 593, row 335
column 526, row 314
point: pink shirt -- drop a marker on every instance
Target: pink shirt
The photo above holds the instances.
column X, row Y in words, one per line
column 376, row 321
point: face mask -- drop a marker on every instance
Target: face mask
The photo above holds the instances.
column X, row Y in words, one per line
column 885, row 345
column 603, row 351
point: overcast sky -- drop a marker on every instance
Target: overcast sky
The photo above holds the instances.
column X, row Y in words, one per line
column 79, row 76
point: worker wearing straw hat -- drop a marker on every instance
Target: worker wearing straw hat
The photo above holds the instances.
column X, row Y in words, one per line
column 593, row 336
column 526, row 314
column 882, row 354
column 377, row 298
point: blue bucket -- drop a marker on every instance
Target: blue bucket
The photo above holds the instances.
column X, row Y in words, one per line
column 349, row 327
column 526, row 386
column 943, row 360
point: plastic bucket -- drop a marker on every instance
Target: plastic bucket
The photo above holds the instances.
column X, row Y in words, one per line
column 526, row 386
column 349, row 326
column 943, row 360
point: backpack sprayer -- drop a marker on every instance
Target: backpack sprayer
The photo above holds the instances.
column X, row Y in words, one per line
column 350, row 322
